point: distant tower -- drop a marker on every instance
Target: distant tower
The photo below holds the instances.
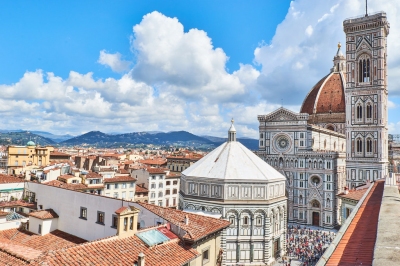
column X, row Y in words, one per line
column 366, row 98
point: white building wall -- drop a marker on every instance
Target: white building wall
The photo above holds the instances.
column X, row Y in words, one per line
column 8, row 190
column 125, row 190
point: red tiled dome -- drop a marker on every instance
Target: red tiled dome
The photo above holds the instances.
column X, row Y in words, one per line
column 327, row 96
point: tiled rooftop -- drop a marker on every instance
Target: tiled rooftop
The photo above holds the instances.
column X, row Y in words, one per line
column 354, row 194
column 120, row 252
column 54, row 240
column 198, row 226
column 9, row 179
column 140, row 189
column 119, row 179
column 44, row 214
column 356, row 247
column 18, row 203
column 56, row 183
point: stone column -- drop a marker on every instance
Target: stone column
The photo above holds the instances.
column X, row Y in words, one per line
column 223, row 246
column 267, row 239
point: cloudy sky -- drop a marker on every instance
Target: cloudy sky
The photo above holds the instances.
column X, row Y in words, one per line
column 128, row 66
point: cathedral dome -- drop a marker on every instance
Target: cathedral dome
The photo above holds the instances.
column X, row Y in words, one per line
column 327, row 96
column 325, row 103
column 233, row 161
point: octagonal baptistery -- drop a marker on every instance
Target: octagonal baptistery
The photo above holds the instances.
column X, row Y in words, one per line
column 325, row 103
column 233, row 183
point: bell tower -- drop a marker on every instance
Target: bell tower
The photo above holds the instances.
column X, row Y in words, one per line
column 366, row 96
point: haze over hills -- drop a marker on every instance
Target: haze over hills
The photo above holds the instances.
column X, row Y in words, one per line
column 100, row 139
column 22, row 137
column 176, row 138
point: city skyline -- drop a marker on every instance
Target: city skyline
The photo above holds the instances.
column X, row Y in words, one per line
column 181, row 67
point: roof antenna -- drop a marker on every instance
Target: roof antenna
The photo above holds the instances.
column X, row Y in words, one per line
column 366, row 8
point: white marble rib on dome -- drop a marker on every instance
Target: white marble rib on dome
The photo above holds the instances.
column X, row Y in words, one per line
column 233, row 161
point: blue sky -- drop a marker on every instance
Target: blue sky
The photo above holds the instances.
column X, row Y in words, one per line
column 124, row 66
column 53, row 35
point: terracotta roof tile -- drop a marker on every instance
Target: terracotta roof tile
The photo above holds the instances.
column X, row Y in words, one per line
column 120, row 252
column 73, row 186
column 198, row 227
column 51, row 241
column 354, row 194
column 119, row 179
column 44, row 214
column 18, row 203
column 121, row 210
column 9, row 179
column 93, row 175
column 152, row 170
column 356, row 246
column 140, row 189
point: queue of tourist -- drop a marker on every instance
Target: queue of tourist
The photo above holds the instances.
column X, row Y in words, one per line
column 306, row 245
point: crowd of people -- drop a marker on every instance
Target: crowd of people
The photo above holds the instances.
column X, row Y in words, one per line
column 306, row 245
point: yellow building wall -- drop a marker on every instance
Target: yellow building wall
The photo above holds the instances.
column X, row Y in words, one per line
column 213, row 244
column 28, row 155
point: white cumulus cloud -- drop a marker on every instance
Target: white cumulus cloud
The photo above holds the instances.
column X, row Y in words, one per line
column 113, row 61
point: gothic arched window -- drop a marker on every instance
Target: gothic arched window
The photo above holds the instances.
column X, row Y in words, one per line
column 369, row 111
column 359, row 112
column 364, row 67
column 359, row 145
column 369, row 145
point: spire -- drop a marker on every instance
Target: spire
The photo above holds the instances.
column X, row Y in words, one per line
column 232, row 132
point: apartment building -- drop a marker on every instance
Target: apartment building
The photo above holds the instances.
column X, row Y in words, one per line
column 172, row 190
column 21, row 156
column 121, row 187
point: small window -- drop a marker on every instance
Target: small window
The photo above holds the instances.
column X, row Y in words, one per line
column 108, row 186
column 132, row 184
column 205, row 256
column 175, row 182
column 174, row 191
column 116, row 185
column 245, row 220
column 100, row 217
column 232, row 220
column 168, row 183
column 114, row 222
column 40, row 229
column 123, row 185
column 126, row 224
column 153, row 177
column 259, row 221
column 131, row 223
column 83, row 213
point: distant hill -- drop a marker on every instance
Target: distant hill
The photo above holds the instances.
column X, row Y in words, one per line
column 55, row 138
column 175, row 138
column 178, row 138
column 22, row 138
column 251, row 144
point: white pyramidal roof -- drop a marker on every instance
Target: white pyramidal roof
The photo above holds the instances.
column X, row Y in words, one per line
column 233, row 161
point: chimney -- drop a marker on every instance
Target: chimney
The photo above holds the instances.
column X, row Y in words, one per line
column 346, row 190
column 127, row 219
column 140, row 259
column 186, row 220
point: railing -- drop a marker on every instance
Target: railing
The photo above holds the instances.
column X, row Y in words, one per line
column 347, row 20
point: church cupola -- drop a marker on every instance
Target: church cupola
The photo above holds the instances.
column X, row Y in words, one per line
column 232, row 132
column 339, row 61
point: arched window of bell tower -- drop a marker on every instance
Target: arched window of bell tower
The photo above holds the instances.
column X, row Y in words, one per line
column 359, row 145
column 364, row 69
